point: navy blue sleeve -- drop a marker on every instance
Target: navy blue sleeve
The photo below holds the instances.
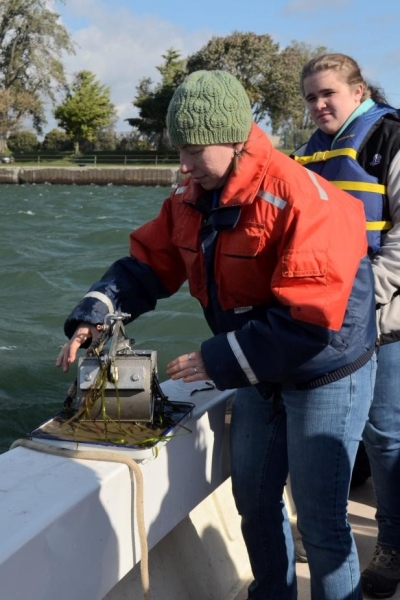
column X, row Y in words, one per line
column 271, row 351
column 128, row 286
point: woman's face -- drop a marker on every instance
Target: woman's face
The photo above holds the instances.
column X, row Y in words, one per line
column 330, row 100
column 209, row 166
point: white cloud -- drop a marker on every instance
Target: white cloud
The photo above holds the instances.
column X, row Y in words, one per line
column 121, row 48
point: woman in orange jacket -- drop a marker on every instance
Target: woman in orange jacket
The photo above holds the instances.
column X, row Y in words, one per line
column 277, row 258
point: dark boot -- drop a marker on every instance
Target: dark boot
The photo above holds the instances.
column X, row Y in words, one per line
column 382, row 576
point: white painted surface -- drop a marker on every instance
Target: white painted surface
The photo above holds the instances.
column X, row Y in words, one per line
column 66, row 524
column 202, row 558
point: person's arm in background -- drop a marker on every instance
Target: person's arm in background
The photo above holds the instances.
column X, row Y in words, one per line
column 386, row 265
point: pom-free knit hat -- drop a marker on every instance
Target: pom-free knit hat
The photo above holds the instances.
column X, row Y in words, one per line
column 209, row 107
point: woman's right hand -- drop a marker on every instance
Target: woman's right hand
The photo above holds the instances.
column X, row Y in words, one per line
column 83, row 332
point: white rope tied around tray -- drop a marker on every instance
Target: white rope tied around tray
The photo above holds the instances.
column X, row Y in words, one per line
column 133, row 469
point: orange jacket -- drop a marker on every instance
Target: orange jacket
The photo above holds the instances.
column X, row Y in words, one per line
column 287, row 288
column 298, row 242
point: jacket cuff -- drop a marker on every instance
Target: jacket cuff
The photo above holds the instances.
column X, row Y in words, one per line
column 221, row 363
column 89, row 310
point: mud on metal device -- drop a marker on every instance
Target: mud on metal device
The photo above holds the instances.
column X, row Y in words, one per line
column 127, row 378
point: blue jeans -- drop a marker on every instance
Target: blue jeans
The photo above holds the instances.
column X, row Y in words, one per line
column 382, row 441
column 315, row 435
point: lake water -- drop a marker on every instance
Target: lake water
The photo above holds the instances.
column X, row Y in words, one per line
column 55, row 241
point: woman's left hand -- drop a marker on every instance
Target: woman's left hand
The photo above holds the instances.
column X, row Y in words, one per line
column 188, row 367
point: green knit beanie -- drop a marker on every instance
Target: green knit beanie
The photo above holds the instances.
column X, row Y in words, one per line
column 209, row 107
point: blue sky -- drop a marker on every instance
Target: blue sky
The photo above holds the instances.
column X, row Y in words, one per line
column 122, row 41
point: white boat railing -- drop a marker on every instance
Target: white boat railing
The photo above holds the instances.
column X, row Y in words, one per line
column 67, row 525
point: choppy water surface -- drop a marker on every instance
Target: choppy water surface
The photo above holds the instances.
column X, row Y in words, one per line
column 54, row 242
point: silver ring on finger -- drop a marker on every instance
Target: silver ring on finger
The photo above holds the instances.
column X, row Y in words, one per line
column 195, row 369
column 190, row 356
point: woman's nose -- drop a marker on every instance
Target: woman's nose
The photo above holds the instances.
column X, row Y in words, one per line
column 186, row 166
column 320, row 103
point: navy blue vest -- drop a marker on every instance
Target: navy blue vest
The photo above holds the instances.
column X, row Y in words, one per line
column 337, row 162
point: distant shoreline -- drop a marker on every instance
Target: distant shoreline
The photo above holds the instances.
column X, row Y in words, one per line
column 85, row 175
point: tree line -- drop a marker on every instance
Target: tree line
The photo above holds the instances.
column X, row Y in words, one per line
column 33, row 41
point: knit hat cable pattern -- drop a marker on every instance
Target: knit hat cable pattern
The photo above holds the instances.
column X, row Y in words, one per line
column 209, row 107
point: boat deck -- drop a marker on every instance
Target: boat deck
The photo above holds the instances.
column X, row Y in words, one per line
column 362, row 519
